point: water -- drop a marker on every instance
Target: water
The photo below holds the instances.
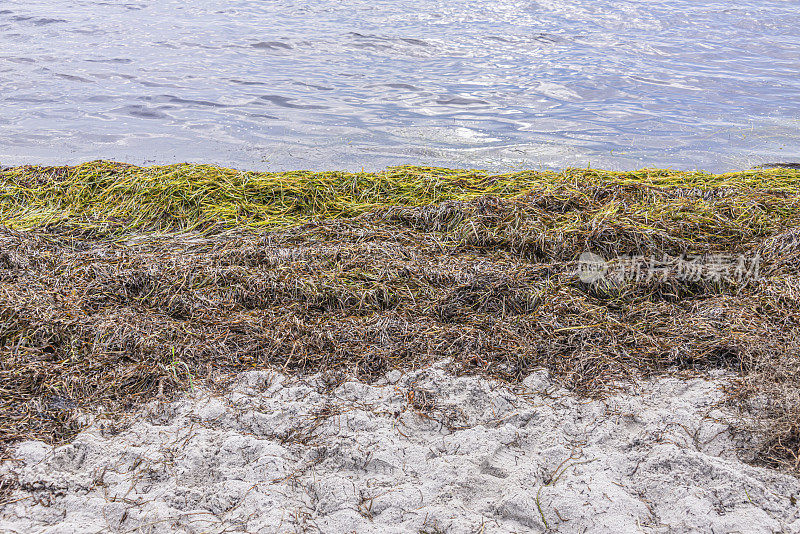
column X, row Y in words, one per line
column 352, row 84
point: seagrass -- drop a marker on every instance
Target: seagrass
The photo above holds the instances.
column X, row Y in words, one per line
column 121, row 284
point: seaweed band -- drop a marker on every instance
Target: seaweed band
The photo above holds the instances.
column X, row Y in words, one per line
column 122, row 282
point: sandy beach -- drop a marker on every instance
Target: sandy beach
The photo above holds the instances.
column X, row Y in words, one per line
column 422, row 267
column 415, row 452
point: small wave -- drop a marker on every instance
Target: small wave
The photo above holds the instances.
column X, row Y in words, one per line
column 284, row 102
column 271, row 45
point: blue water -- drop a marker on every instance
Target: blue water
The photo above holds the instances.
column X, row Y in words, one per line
column 352, row 84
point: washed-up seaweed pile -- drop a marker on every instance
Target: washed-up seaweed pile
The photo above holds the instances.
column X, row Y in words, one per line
column 120, row 284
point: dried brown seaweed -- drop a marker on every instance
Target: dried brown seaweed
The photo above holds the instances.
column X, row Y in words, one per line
column 107, row 320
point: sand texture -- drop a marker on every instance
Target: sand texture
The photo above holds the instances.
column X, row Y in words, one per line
column 418, row 452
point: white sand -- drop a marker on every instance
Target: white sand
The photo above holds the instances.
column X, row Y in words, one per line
column 261, row 459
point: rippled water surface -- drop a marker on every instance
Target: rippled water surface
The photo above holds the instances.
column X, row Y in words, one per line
column 353, row 84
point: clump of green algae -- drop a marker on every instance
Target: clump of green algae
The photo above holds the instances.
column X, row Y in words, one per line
column 102, row 195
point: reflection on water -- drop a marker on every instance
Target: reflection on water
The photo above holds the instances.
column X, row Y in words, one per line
column 357, row 84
